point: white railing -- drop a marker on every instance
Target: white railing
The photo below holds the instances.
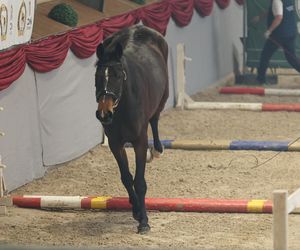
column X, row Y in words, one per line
column 2, row 184
column 1, row 133
column 282, row 206
column 4, row 201
column 184, row 101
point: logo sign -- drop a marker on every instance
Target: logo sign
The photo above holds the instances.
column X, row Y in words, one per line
column 16, row 22
column 3, row 22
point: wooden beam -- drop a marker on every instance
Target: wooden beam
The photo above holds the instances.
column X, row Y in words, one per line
column 280, row 220
column 180, row 77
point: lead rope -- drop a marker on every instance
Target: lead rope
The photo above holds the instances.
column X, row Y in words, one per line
column 292, row 142
column 275, row 155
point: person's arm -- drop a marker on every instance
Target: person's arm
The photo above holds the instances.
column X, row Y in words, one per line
column 276, row 22
column 277, row 9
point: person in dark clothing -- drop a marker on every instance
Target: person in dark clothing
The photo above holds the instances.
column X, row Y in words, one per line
column 281, row 32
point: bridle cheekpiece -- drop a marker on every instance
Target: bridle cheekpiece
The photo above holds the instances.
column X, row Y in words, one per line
column 106, row 92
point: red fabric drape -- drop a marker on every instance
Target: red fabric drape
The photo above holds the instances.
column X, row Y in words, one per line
column 12, row 66
column 49, row 54
column 204, row 7
column 223, row 3
column 116, row 23
column 182, row 11
column 155, row 16
column 84, row 41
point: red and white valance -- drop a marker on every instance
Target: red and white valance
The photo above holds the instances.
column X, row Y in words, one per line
column 48, row 54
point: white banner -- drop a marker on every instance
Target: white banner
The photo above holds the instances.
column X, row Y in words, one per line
column 16, row 22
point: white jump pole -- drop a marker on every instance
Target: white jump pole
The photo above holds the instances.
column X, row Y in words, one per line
column 283, row 92
column 224, row 105
column 294, row 201
column 259, row 91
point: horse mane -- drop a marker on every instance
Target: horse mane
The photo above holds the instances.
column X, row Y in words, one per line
column 120, row 37
column 137, row 34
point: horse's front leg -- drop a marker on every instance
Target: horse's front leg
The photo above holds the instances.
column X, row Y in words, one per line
column 140, row 186
column 120, row 155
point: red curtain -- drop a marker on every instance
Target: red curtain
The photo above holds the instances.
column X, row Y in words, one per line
column 12, row 66
column 182, row 11
column 155, row 16
column 204, row 7
column 85, row 40
column 116, row 23
column 50, row 53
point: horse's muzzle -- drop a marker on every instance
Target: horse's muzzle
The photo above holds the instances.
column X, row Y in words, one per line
column 105, row 119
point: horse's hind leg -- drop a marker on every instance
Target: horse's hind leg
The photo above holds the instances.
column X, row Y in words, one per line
column 158, row 148
column 126, row 177
column 156, row 141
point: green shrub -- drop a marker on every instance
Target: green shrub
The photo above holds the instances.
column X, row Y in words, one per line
column 64, row 13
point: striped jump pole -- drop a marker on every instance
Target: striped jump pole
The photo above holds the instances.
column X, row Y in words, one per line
column 229, row 145
column 291, row 107
column 184, row 101
column 158, row 204
column 259, row 91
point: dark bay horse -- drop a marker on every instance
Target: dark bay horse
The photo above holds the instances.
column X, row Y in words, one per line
column 131, row 91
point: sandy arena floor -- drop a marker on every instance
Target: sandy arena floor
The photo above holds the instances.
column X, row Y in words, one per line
column 202, row 174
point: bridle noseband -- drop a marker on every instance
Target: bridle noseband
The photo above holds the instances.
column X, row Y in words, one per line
column 106, row 92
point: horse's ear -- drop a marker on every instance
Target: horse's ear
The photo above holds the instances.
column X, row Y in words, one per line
column 100, row 50
column 119, row 50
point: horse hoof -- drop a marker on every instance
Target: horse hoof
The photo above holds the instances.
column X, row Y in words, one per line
column 155, row 153
column 149, row 156
column 143, row 229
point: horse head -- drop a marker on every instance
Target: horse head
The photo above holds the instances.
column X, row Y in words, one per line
column 110, row 77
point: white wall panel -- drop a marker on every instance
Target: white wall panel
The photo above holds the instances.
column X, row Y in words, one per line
column 67, row 106
column 209, row 41
column 21, row 146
